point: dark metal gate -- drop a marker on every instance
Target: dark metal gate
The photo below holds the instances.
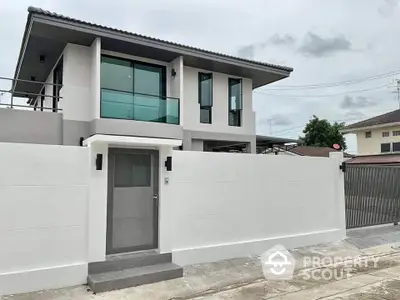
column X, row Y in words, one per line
column 372, row 195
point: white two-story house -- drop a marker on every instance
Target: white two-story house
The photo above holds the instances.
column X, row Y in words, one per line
column 131, row 99
column 102, row 80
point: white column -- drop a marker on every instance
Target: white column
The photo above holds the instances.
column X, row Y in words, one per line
column 165, row 234
column 97, row 204
column 337, row 159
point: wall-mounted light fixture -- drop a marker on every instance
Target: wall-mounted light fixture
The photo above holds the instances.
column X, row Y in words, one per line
column 81, row 139
column 168, row 163
column 173, row 73
column 99, row 161
column 33, row 78
column 42, row 58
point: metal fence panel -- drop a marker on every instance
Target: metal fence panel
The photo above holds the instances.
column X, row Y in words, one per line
column 372, row 195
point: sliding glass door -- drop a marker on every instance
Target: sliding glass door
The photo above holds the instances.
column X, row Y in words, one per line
column 136, row 91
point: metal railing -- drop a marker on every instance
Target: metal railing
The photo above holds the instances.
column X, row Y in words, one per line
column 372, row 195
column 12, row 96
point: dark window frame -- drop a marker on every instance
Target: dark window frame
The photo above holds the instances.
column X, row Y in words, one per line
column 235, row 114
column 57, row 83
column 396, row 133
column 385, row 150
column 207, row 108
column 42, row 97
column 396, row 144
column 386, row 134
column 368, row 134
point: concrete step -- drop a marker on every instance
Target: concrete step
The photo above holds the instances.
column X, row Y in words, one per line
column 123, row 261
column 108, row 281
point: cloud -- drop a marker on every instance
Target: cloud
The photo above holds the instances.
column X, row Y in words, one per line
column 356, row 102
column 388, row 7
column 247, row 51
column 277, row 40
column 317, row 46
column 284, row 40
column 355, row 115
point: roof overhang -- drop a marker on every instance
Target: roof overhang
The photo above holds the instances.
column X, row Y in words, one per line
column 47, row 34
column 355, row 130
column 270, row 141
column 131, row 141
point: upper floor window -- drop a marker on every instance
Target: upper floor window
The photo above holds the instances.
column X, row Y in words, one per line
column 385, row 134
column 385, row 147
column 57, row 84
column 396, row 147
column 136, row 91
column 396, row 132
column 368, row 134
column 205, row 97
column 235, row 102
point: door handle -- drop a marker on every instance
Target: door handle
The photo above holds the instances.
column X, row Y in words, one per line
column 155, row 199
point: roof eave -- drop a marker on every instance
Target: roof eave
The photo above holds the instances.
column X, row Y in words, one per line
column 36, row 14
column 363, row 128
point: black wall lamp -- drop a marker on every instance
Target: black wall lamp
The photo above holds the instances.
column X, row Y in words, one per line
column 173, row 73
column 168, row 163
column 42, row 58
column 99, row 161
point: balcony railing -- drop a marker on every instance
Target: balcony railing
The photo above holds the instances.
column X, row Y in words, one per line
column 139, row 107
column 26, row 97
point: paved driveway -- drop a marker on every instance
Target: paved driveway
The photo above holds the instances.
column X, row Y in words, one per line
column 374, row 236
column 242, row 278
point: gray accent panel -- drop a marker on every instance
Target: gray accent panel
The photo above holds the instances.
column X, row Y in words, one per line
column 129, row 260
column 109, row 281
column 23, row 126
column 74, row 130
column 135, row 128
column 190, row 137
column 197, row 145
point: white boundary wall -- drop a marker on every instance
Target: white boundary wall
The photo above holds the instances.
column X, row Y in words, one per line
column 43, row 216
column 225, row 205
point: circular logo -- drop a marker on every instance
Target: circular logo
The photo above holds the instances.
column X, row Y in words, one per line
column 336, row 146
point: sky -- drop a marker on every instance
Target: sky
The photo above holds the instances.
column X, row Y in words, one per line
column 351, row 46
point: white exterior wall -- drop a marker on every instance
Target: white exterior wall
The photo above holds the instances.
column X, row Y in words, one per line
column 225, row 205
column 220, row 107
column 95, row 59
column 177, row 84
column 372, row 145
column 77, row 81
column 43, row 215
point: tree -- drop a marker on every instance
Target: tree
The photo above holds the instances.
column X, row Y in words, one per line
column 321, row 133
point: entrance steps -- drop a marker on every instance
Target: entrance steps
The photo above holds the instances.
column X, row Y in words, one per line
column 131, row 269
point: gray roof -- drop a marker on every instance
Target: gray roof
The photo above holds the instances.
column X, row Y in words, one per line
column 390, row 117
column 40, row 11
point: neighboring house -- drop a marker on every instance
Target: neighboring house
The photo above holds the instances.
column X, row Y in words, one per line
column 295, row 150
column 101, row 80
column 378, row 139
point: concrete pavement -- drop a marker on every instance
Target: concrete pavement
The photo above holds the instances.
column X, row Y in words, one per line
column 242, row 278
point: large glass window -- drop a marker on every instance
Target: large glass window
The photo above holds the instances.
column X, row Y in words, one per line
column 116, row 74
column 137, row 91
column 385, row 147
column 205, row 97
column 57, row 84
column 396, row 147
column 235, row 102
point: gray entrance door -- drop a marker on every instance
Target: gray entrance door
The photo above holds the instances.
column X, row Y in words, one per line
column 132, row 222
